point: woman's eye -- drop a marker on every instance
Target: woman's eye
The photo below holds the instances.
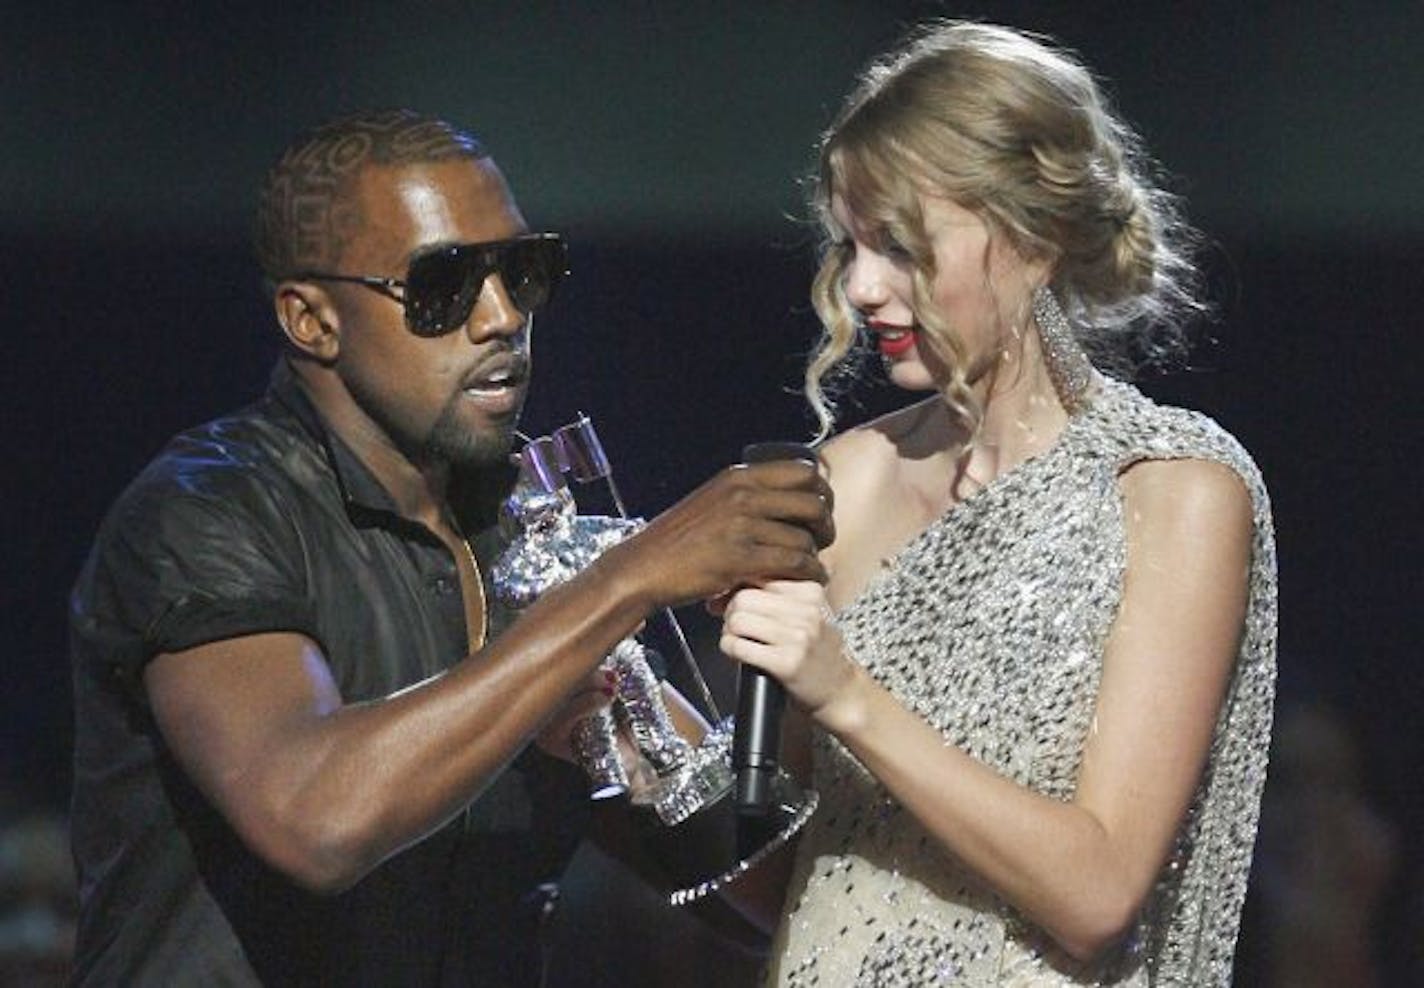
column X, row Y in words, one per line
column 896, row 251
column 893, row 249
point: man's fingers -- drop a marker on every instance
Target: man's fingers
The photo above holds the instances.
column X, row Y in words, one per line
column 749, row 524
column 809, row 511
column 799, row 494
column 775, row 562
column 783, row 535
column 783, row 474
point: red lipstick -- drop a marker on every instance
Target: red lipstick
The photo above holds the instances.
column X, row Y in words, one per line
column 893, row 341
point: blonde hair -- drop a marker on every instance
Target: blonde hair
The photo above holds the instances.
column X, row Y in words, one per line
column 1016, row 130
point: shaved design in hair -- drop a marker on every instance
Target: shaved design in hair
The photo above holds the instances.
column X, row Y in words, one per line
column 306, row 211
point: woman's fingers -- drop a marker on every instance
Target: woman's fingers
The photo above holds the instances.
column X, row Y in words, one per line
column 786, row 629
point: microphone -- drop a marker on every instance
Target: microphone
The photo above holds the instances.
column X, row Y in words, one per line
column 756, row 736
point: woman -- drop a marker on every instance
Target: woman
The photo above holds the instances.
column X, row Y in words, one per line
column 1038, row 685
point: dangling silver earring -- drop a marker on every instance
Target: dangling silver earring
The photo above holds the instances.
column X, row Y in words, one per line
column 1068, row 366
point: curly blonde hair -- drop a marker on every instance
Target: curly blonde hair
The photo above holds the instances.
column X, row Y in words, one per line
column 1015, row 129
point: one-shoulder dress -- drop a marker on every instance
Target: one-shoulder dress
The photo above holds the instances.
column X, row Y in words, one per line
column 991, row 625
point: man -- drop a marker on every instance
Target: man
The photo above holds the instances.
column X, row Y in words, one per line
column 304, row 728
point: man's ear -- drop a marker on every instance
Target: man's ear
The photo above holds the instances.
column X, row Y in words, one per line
column 309, row 320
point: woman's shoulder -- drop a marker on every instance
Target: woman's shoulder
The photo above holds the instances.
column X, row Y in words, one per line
column 849, row 450
column 1136, row 428
column 1206, row 493
column 1183, row 456
column 866, row 469
column 867, row 456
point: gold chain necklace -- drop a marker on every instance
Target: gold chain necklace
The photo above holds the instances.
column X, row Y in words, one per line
column 477, row 641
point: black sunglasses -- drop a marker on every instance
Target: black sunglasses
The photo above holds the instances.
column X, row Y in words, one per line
column 442, row 284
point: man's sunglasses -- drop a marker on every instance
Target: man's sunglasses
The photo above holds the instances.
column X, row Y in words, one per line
column 442, row 284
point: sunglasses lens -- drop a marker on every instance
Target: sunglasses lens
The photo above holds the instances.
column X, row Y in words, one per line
column 531, row 269
column 439, row 291
column 443, row 286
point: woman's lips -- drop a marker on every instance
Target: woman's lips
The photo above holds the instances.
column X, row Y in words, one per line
column 893, row 341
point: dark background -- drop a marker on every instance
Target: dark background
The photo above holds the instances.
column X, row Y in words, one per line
column 666, row 142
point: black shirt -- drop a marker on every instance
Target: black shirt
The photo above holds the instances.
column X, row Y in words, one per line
column 258, row 522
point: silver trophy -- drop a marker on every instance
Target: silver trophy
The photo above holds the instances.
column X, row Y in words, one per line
column 686, row 785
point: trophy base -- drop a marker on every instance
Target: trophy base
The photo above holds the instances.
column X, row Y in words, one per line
column 715, row 846
column 703, row 779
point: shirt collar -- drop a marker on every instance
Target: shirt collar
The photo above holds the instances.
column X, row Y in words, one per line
column 475, row 495
column 361, row 492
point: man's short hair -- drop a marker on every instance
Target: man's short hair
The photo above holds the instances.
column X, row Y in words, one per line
column 306, row 210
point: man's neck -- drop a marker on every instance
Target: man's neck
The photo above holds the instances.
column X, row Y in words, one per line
column 419, row 491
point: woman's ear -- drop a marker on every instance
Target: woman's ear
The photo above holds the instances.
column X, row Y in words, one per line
column 1040, row 267
column 309, row 320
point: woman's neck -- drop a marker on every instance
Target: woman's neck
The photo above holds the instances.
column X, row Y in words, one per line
column 1022, row 414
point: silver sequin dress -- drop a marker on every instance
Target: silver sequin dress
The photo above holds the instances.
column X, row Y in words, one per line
column 991, row 625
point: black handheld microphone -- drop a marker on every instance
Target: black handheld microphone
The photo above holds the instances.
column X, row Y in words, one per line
column 756, row 735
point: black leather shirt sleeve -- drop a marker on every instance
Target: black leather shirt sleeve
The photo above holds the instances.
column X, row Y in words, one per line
column 180, row 567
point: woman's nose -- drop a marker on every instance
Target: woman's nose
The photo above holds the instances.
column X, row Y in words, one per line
column 866, row 280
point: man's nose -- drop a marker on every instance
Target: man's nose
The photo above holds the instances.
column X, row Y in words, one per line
column 495, row 313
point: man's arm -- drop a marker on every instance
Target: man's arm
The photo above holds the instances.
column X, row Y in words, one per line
column 324, row 791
